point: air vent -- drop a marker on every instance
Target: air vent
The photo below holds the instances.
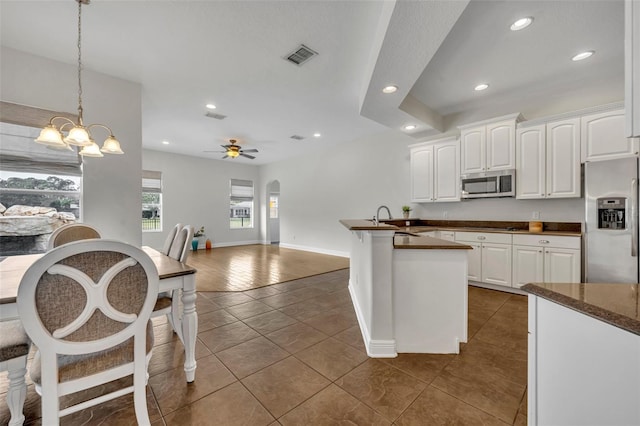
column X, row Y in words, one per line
column 216, row 116
column 301, row 55
column 297, row 137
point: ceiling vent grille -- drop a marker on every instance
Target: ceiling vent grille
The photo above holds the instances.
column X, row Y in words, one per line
column 301, row 55
column 297, row 137
column 216, row 116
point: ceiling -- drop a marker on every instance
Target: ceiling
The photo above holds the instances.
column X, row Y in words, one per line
column 186, row 54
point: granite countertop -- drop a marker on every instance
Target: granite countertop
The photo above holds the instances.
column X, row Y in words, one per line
column 615, row 304
column 401, row 241
column 425, row 225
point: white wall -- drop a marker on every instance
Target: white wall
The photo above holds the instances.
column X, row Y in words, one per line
column 352, row 181
column 111, row 185
column 195, row 191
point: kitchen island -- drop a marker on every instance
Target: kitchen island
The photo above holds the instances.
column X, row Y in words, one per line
column 409, row 292
column 584, row 354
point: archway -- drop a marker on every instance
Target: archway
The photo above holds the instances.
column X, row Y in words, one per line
column 273, row 212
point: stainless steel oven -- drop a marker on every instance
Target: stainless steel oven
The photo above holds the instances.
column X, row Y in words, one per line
column 500, row 183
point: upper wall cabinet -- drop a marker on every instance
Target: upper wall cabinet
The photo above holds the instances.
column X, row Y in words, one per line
column 548, row 160
column 488, row 145
column 603, row 137
column 632, row 67
column 435, row 171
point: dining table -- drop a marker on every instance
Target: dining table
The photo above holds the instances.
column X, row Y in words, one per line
column 173, row 275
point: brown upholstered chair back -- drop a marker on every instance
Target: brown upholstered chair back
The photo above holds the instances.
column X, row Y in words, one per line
column 72, row 232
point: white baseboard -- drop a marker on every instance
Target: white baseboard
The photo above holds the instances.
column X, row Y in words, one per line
column 375, row 348
column 315, row 250
column 237, row 243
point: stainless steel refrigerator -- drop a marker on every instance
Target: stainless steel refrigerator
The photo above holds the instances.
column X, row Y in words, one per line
column 611, row 216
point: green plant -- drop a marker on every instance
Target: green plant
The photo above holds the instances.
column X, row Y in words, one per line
column 406, row 209
column 199, row 232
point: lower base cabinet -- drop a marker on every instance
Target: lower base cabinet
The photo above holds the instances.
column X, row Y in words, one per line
column 545, row 259
column 515, row 260
column 490, row 260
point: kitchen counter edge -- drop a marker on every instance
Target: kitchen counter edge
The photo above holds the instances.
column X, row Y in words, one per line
column 609, row 313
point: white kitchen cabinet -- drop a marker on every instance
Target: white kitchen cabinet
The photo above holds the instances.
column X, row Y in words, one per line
column 550, row 259
column 474, row 261
column 488, row 145
column 528, row 265
column 563, row 159
column 496, row 264
column 422, row 174
column 603, row 137
column 632, row 67
column 490, row 259
column 435, row 171
column 531, row 161
column 548, row 160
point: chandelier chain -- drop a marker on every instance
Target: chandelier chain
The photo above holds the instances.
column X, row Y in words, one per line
column 80, row 62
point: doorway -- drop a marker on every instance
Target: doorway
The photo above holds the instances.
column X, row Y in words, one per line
column 273, row 212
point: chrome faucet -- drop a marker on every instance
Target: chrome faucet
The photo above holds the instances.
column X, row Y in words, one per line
column 378, row 213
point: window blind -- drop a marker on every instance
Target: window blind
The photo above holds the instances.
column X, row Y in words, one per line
column 152, row 181
column 241, row 190
column 19, row 153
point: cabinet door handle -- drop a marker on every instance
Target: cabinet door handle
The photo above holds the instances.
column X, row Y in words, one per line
column 544, row 241
column 482, row 237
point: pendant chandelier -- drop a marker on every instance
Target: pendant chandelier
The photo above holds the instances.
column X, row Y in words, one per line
column 78, row 134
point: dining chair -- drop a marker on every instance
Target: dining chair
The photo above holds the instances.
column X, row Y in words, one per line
column 72, row 232
column 169, row 240
column 14, row 348
column 86, row 306
column 168, row 303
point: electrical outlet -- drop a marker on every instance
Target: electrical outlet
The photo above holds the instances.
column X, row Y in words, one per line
column 535, row 215
column 445, row 214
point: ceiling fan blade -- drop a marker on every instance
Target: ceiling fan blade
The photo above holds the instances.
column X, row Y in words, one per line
column 247, row 155
column 226, row 156
column 249, row 150
column 225, row 146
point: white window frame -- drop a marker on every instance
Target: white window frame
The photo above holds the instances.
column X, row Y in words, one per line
column 152, row 184
column 241, row 191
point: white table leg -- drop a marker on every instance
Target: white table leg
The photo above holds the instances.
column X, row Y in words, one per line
column 17, row 389
column 189, row 325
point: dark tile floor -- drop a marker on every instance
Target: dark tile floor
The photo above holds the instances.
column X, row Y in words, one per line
column 292, row 354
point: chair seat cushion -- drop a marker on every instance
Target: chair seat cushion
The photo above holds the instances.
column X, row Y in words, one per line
column 14, row 341
column 75, row 366
column 164, row 301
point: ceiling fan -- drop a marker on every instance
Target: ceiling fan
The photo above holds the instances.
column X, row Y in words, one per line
column 232, row 150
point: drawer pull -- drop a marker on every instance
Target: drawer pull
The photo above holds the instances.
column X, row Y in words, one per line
column 544, row 241
column 482, row 237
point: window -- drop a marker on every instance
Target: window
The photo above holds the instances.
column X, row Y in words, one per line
column 33, row 175
column 273, row 206
column 241, row 204
column 151, row 200
column 47, row 181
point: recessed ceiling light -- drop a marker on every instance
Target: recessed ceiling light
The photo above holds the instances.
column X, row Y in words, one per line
column 583, row 55
column 390, row 89
column 410, row 127
column 211, row 106
column 165, row 142
column 480, row 87
column 316, row 135
column 521, row 24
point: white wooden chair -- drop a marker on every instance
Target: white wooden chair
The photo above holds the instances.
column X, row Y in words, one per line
column 72, row 232
column 168, row 303
column 14, row 348
column 170, row 238
column 86, row 306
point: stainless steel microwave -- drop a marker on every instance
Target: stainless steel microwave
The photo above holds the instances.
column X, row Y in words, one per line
column 500, row 183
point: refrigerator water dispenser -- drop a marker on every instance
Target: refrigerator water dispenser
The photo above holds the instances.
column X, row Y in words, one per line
column 611, row 213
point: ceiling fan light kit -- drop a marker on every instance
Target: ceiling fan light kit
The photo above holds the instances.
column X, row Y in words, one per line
column 232, row 150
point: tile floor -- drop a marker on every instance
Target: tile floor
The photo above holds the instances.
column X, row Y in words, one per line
column 292, row 354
